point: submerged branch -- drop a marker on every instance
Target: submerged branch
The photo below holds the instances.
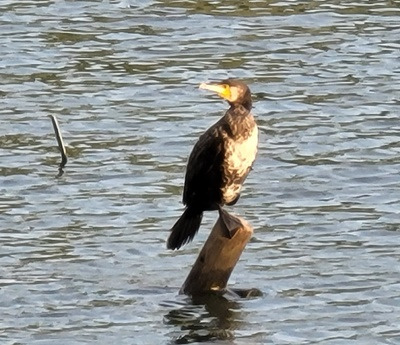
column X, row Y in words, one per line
column 61, row 145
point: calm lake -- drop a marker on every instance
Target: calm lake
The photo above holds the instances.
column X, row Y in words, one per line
column 83, row 257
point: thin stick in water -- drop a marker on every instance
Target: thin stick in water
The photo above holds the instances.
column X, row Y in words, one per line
column 61, row 145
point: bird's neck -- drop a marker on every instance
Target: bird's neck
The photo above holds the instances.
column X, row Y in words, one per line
column 240, row 122
column 247, row 104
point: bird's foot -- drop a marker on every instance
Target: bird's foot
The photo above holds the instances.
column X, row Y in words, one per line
column 229, row 222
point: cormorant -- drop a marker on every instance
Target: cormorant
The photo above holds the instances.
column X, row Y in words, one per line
column 220, row 161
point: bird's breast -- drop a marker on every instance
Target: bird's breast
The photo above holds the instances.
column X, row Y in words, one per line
column 240, row 154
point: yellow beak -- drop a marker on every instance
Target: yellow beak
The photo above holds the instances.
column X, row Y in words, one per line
column 222, row 90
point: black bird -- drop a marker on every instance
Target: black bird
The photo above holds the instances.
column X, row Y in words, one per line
column 220, row 161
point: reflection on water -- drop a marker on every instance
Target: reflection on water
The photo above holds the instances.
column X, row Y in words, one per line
column 206, row 318
column 83, row 257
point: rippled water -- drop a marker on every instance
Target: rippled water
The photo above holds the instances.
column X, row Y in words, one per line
column 83, row 257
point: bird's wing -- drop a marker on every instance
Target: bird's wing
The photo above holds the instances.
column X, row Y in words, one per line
column 203, row 174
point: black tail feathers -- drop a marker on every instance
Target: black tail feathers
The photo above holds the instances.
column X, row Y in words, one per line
column 185, row 228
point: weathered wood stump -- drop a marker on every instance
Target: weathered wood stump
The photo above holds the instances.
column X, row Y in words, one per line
column 219, row 255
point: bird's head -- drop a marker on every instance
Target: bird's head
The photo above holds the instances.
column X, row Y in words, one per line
column 234, row 91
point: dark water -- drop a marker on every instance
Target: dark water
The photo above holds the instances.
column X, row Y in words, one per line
column 83, row 258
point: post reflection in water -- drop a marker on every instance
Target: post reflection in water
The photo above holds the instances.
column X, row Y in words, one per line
column 205, row 317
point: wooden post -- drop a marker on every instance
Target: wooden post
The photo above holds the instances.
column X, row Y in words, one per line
column 219, row 255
